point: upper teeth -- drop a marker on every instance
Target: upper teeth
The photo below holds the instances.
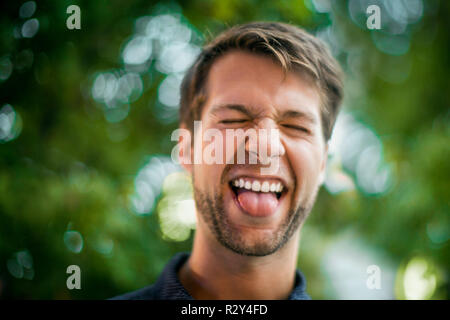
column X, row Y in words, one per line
column 258, row 186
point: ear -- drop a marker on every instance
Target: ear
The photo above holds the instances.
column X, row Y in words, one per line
column 185, row 151
column 323, row 167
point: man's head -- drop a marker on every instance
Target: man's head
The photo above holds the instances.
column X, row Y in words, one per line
column 261, row 76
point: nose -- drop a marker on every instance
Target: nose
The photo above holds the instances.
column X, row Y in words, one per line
column 268, row 142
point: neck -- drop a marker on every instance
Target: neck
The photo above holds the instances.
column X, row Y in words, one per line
column 215, row 272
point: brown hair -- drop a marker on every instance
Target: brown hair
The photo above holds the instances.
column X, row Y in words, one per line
column 292, row 47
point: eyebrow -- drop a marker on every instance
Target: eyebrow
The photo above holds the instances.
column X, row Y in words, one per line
column 299, row 114
column 248, row 112
column 237, row 107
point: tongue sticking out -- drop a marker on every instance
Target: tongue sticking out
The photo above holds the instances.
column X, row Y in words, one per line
column 257, row 204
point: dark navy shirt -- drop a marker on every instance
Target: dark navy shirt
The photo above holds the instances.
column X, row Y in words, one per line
column 169, row 287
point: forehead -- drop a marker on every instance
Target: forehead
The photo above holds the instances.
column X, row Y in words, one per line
column 258, row 82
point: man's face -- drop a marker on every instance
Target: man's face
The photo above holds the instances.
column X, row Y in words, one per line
column 249, row 91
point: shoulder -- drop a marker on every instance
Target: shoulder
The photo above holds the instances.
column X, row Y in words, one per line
column 167, row 286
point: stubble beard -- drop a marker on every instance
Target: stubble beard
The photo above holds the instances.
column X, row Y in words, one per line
column 212, row 211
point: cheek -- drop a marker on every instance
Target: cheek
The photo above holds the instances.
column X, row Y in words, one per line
column 306, row 161
column 208, row 172
column 207, row 179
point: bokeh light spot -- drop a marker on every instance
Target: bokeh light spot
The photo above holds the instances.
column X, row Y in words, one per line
column 27, row 9
column 6, row 68
column 419, row 282
column 10, row 123
column 30, row 28
column 73, row 241
column 138, row 50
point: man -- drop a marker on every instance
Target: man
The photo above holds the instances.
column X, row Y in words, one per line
column 259, row 75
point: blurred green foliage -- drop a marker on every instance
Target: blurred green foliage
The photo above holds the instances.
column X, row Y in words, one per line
column 67, row 172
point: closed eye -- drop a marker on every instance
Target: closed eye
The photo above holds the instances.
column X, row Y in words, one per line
column 233, row 121
column 290, row 126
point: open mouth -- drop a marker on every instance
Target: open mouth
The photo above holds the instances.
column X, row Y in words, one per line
column 258, row 197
